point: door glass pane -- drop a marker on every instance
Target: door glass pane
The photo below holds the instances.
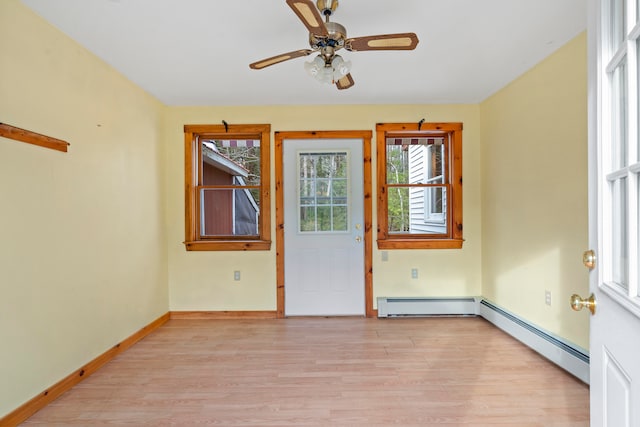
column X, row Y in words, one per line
column 323, row 192
column 618, row 29
column 307, row 218
column 619, row 116
column 619, row 234
column 637, row 142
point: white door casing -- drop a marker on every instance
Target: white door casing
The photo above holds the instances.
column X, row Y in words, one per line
column 614, row 170
column 324, row 259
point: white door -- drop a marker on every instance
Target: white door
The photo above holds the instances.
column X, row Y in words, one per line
column 323, row 231
column 614, row 168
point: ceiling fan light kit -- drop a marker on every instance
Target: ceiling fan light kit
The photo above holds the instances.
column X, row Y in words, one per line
column 327, row 38
column 328, row 73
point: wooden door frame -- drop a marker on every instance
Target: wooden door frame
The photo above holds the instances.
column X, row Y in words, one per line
column 365, row 136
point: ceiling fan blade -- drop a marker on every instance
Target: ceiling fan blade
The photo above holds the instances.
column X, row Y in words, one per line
column 280, row 58
column 400, row 41
column 309, row 15
column 345, row 82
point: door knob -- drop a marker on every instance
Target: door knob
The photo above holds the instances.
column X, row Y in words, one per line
column 589, row 259
column 358, row 239
column 578, row 303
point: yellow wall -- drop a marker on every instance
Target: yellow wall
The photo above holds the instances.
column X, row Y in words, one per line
column 534, row 192
column 82, row 241
column 204, row 280
column 91, row 241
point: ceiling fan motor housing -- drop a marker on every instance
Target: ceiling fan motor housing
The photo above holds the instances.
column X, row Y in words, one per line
column 327, row 45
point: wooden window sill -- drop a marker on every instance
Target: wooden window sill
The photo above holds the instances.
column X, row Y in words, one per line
column 420, row 244
column 229, row 245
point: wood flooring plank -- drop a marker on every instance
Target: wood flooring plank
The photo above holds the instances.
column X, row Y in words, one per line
column 325, row 372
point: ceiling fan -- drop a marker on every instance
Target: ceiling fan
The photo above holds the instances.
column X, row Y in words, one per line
column 329, row 37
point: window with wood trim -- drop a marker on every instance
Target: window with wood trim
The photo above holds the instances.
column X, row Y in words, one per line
column 419, row 185
column 227, row 204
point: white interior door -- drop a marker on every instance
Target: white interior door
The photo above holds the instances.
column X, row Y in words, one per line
column 323, row 227
column 614, row 169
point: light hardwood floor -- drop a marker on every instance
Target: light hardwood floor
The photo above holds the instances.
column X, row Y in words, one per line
column 325, row 372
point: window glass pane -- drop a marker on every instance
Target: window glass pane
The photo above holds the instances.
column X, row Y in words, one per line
column 230, row 162
column 417, row 210
column 414, row 160
column 618, row 29
column 229, row 212
column 420, row 207
column 323, row 192
column 398, row 209
column 435, row 166
column 431, row 217
column 434, row 198
column 397, row 164
column 618, row 118
column 619, row 233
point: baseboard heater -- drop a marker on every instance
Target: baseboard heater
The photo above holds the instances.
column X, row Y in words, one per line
column 404, row 307
column 568, row 356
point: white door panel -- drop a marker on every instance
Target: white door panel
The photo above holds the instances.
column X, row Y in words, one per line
column 614, row 170
column 323, row 217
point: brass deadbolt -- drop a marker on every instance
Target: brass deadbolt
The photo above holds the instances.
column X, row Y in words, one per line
column 589, row 259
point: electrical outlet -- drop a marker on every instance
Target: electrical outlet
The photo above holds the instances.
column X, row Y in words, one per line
column 414, row 273
column 384, row 255
column 547, row 297
column 236, row 275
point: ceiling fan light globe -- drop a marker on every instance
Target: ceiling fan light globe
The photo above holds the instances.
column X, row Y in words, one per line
column 311, row 69
column 326, row 75
column 340, row 67
column 314, row 67
column 345, row 68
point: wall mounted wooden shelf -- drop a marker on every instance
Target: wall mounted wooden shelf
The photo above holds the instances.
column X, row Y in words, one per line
column 29, row 137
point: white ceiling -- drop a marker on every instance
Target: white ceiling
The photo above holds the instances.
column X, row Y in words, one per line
column 197, row 52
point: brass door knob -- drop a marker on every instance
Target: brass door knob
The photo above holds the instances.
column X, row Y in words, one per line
column 589, row 259
column 578, row 303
